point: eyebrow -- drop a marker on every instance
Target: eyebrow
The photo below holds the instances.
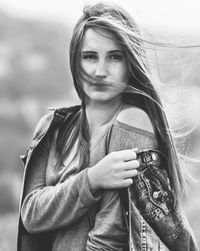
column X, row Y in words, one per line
column 113, row 51
column 116, row 51
column 88, row 52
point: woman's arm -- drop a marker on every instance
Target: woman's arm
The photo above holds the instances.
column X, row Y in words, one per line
column 152, row 195
column 47, row 207
column 50, row 207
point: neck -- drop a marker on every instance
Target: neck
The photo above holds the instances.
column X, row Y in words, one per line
column 99, row 113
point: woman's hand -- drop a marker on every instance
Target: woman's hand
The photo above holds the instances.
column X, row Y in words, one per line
column 114, row 171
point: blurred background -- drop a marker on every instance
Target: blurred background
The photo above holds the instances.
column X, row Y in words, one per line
column 34, row 74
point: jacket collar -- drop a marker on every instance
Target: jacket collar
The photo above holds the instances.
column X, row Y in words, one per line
column 56, row 117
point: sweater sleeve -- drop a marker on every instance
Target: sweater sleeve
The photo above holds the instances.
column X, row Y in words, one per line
column 45, row 207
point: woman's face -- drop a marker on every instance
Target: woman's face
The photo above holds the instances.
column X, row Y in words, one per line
column 103, row 58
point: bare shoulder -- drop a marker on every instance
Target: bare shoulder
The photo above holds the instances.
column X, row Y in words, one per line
column 136, row 117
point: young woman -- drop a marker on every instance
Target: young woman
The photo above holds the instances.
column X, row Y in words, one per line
column 104, row 175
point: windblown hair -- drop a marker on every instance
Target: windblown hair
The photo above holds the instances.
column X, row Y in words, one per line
column 139, row 92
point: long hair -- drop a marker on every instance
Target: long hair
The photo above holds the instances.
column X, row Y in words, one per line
column 140, row 90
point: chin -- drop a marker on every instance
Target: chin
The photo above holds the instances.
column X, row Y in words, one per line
column 101, row 97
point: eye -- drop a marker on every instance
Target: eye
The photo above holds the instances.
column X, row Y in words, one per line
column 115, row 57
column 89, row 57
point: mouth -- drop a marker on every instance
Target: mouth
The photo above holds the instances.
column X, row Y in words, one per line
column 100, row 85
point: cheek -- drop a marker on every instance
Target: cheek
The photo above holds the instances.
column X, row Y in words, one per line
column 121, row 73
column 87, row 67
column 125, row 74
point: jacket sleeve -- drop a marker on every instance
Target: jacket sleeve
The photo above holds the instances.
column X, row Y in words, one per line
column 45, row 207
column 152, row 195
column 109, row 232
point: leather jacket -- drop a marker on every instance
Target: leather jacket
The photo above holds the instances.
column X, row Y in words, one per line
column 152, row 221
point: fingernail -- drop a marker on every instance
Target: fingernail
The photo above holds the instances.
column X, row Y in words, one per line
column 135, row 149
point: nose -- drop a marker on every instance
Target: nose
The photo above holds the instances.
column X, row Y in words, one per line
column 101, row 70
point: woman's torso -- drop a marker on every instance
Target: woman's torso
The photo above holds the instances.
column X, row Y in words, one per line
column 74, row 237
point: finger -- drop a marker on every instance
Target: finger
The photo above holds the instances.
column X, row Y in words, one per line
column 126, row 155
column 129, row 174
column 129, row 165
column 127, row 183
column 135, row 149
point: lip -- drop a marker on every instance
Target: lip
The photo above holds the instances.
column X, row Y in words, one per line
column 100, row 85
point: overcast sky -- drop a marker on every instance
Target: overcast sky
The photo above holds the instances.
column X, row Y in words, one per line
column 168, row 14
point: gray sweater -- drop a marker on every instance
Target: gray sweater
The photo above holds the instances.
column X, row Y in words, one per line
column 61, row 200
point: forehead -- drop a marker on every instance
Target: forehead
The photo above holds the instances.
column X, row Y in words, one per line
column 100, row 40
